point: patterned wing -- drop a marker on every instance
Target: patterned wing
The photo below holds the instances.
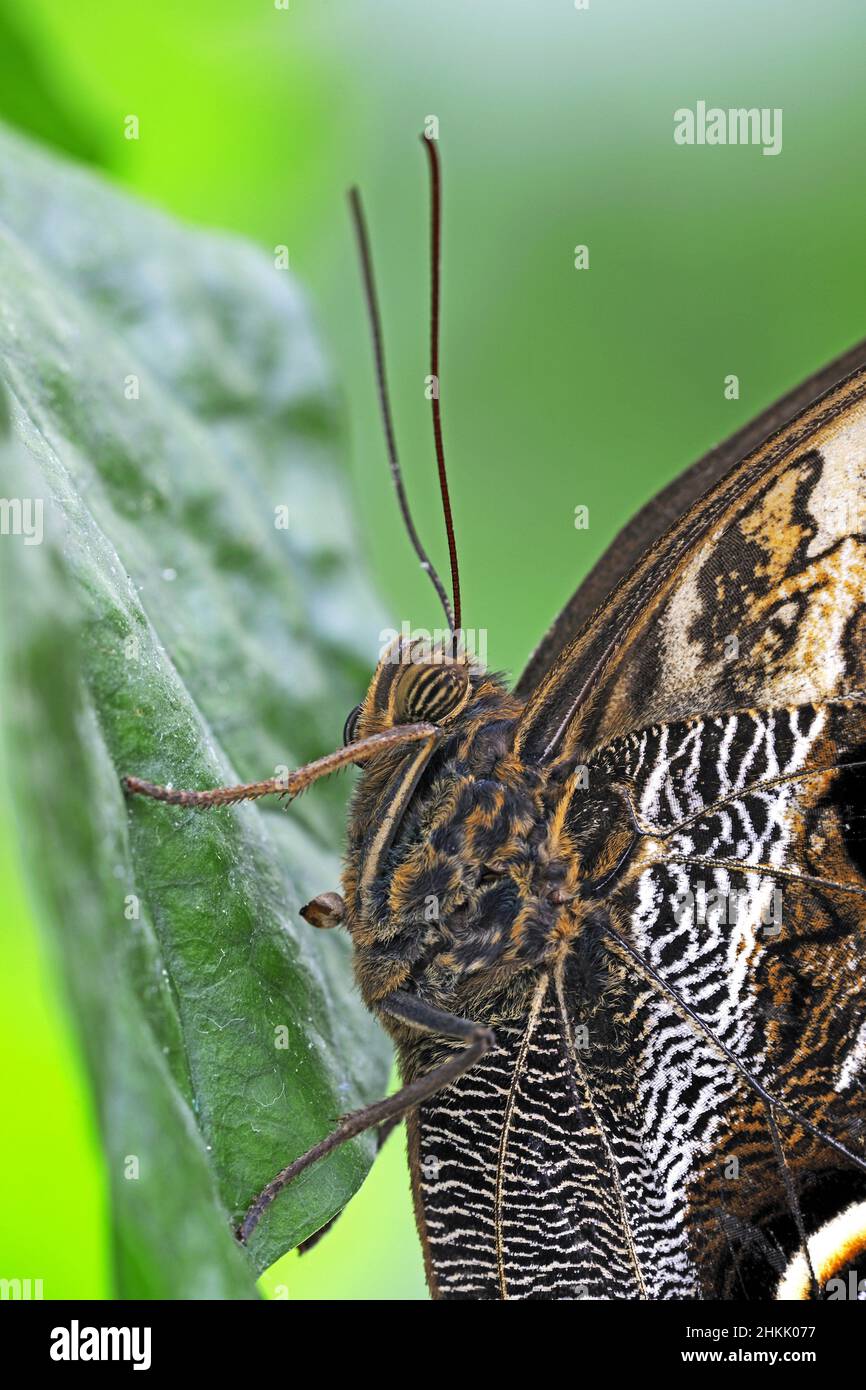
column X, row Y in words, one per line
column 745, row 894
column 666, row 507
column 753, row 599
column 525, row 1188
column 738, row 911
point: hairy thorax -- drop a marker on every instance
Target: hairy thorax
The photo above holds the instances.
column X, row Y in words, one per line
column 491, row 871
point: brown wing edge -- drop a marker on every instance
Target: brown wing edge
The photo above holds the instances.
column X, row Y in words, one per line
column 667, row 506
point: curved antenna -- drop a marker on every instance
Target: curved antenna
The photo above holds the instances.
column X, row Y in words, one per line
column 384, row 400
column 435, row 279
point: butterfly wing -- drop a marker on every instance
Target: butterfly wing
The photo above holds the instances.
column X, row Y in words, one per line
column 736, row 646
column 751, row 598
column 648, row 526
column 517, row 1170
column 746, row 898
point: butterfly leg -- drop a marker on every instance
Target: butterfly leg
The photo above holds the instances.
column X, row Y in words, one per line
column 415, row 1014
column 382, row 1134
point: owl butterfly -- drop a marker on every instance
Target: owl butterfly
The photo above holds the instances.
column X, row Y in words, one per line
column 615, row 919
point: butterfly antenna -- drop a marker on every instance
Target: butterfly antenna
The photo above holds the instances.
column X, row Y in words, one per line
column 435, row 286
column 363, row 240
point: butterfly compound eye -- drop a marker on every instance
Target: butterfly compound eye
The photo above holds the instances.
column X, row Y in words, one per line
column 430, row 693
column 350, row 728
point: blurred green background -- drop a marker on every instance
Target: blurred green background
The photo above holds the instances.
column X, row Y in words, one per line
column 559, row 387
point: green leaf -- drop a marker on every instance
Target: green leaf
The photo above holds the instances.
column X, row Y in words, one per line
column 167, row 397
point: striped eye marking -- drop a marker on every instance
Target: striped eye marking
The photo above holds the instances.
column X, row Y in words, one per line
column 430, row 692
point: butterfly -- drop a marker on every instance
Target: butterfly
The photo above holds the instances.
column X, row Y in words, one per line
column 614, row 918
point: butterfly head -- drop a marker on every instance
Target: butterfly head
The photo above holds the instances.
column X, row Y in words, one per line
column 433, row 821
column 416, row 681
